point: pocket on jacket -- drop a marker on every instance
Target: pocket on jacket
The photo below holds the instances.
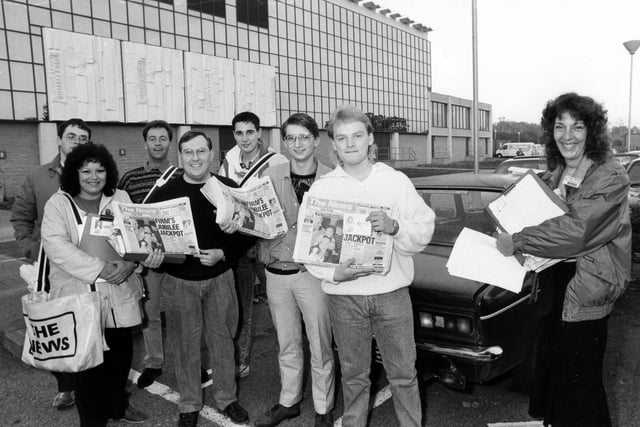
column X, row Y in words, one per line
column 595, row 281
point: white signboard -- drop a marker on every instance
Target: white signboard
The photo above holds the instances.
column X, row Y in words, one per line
column 153, row 83
column 255, row 86
column 84, row 77
column 209, row 92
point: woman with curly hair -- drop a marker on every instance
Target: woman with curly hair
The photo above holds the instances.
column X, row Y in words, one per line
column 87, row 189
column 594, row 239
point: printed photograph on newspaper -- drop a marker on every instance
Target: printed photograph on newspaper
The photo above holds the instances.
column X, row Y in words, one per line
column 255, row 208
column 332, row 231
column 140, row 228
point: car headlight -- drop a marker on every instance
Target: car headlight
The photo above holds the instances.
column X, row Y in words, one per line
column 454, row 324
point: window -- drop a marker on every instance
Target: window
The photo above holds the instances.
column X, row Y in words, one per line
column 460, row 117
column 483, row 120
column 212, row 7
column 253, row 12
column 439, row 114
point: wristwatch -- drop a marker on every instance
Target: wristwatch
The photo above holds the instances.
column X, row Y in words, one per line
column 396, row 228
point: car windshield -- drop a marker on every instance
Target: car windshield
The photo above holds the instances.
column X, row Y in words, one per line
column 456, row 209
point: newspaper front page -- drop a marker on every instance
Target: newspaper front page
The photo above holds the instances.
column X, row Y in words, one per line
column 168, row 225
column 255, row 208
column 333, row 231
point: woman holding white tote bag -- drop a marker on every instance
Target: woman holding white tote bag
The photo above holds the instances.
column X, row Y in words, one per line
column 75, row 226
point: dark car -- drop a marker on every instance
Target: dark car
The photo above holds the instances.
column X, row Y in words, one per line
column 467, row 331
column 520, row 164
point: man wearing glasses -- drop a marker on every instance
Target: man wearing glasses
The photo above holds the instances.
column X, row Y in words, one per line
column 293, row 293
column 202, row 302
column 244, row 162
column 27, row 211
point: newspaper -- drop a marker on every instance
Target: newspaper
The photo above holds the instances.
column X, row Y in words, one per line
column 255, row 207
column 332, row 231
column 140, row 228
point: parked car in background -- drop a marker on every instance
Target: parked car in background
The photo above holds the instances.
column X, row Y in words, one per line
column 626, row 158
column 466, row 331
column 513, row 149
column 519, row 165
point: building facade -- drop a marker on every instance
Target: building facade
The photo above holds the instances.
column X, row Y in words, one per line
column 324, row 53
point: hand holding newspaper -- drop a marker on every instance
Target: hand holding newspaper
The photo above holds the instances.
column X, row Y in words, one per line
column 527, row 203
column 255, row 208
column 140, row 228
column 333, row 231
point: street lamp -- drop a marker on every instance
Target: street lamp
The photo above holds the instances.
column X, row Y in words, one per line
column 631, row 46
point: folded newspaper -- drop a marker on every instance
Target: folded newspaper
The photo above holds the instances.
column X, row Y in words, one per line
column 140, row 228
column 255, row 208
column 333, row 231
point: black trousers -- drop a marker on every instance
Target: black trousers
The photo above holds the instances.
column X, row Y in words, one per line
column 65, row 381
column 567, row 387
column 100, row 391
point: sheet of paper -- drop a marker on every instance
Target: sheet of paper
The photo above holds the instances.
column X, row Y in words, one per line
column 476, row 257
column 526, row 204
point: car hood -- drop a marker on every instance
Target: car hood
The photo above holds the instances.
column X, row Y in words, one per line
column 434, row 285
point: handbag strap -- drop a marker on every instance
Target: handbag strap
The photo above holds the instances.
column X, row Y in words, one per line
column 164, row 178
column 43, row 284
column 257, row 167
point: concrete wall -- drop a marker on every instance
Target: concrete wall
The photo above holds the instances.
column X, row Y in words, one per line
column 19, row 141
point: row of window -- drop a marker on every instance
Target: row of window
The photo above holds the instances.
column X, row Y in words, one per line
column 460, row 116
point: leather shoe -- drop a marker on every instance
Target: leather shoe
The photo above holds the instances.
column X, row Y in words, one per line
column 133, row 416
column 277, row 414
column 188, row 419
column 324, row 420
column 148, row 376
column 64, row 399
column 236, row 413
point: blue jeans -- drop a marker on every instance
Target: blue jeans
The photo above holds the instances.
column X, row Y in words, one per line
column 355, row 318
column 196, row 309
column 152, row 330
column 245, row 275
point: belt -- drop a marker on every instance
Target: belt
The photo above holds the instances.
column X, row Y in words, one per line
column 283, row 272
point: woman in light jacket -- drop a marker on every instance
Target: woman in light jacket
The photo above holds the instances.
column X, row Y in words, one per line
column 88, row 184
column 595, row 238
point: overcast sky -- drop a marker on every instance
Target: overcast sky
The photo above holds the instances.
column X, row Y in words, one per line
column 531, row 51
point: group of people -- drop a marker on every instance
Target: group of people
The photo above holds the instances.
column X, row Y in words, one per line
column 209, row 297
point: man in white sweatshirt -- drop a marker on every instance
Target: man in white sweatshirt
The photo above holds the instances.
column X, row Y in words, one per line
column 362, row 303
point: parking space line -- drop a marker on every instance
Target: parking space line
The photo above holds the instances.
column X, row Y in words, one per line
column 517, row 424
column 214, row 416
column 172, row 396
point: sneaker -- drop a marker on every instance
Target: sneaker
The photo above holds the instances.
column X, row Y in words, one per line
column 133, row 416
column 148, row 376
column 277, row 414
column 188, row 419
column 205, row 378
column 324, row 420
column 242, row 371
column 236, row 413
column 64, row 399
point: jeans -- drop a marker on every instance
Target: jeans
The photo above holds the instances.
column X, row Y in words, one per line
column 152, row 330
column 100, row 391
column 355, row 319
column 196, row 309
column 245, row 276
column 292, row 299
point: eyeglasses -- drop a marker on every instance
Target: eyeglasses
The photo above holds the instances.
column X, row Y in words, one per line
column 201, row 152
column 304, row 138
column 72, row 137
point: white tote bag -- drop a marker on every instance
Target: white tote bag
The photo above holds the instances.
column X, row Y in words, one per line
column 62, row 334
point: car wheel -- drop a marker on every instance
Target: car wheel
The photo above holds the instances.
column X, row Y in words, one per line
column 499, row 156
column 522, row 375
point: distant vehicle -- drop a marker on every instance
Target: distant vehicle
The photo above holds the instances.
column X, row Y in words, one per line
column 520, row 165
column 626, row 158
column 633, row 170
column 513, row 149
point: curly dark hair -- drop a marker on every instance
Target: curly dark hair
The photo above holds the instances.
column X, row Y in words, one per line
column 88, row 153
column 582, row 108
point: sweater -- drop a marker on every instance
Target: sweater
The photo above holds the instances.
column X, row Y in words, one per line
column 387, row 186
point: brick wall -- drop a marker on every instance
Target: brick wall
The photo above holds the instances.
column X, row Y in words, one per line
column 20, row 143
